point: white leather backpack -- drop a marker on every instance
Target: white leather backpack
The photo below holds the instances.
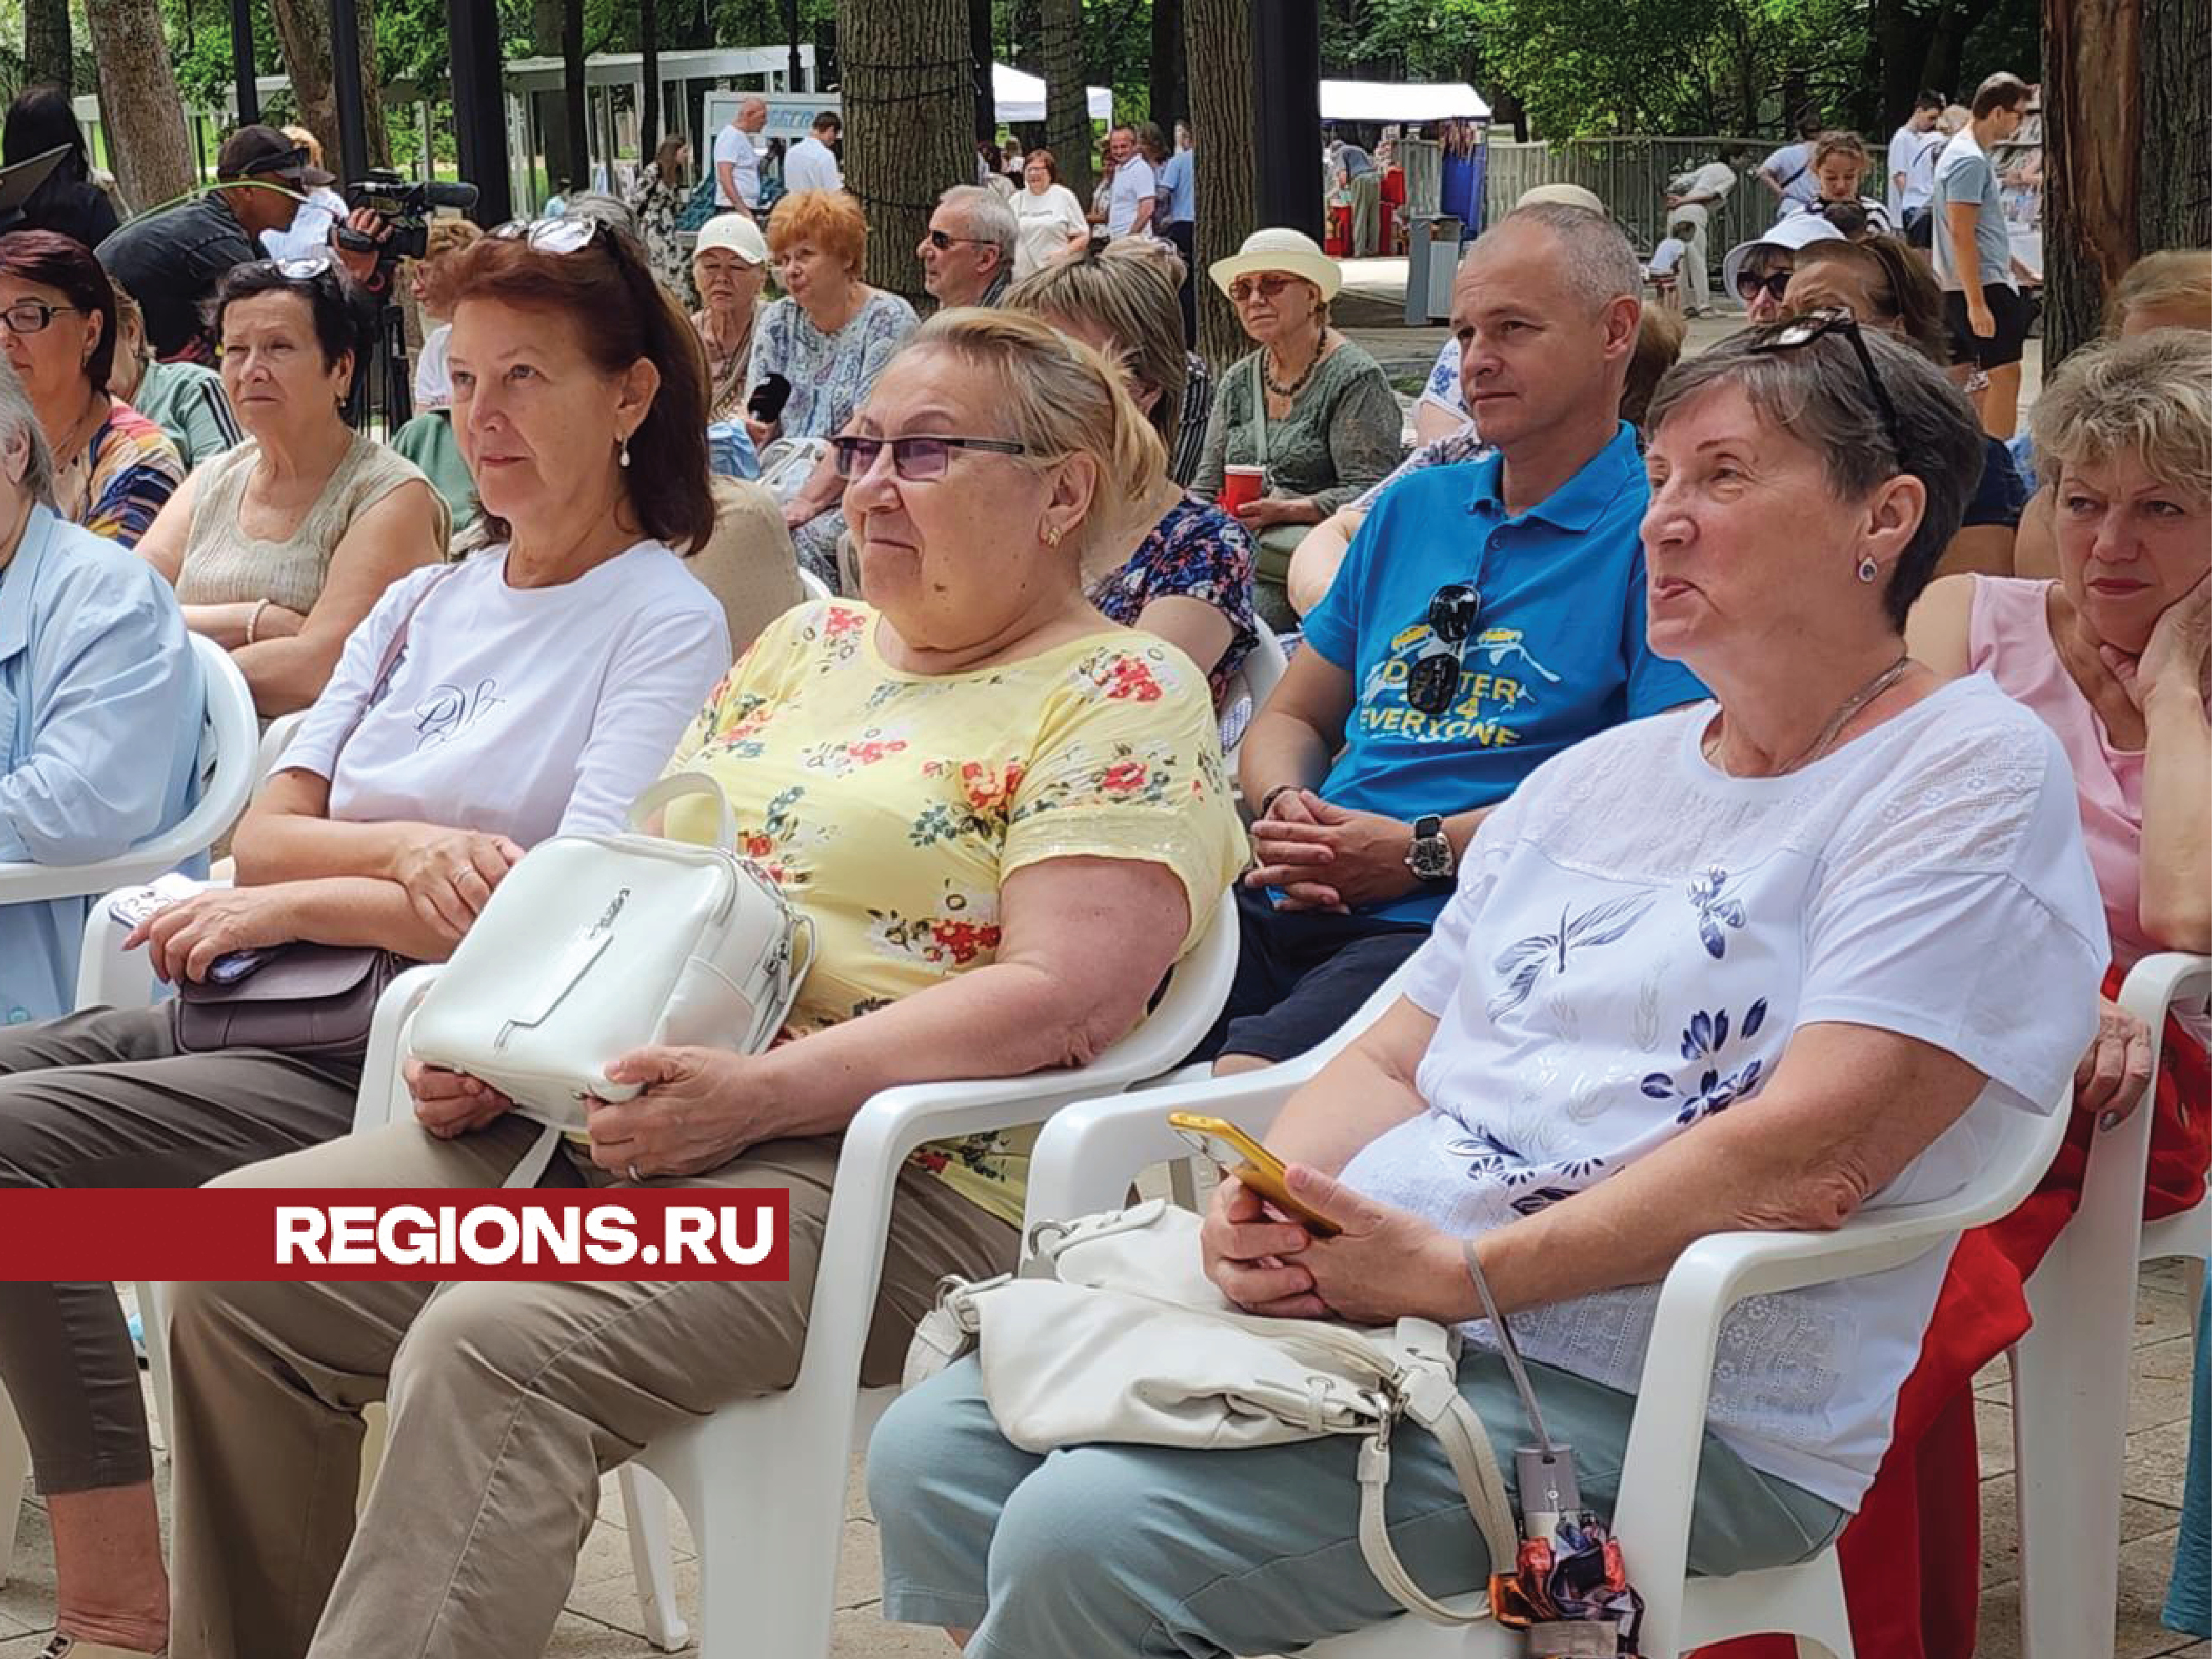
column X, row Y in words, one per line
column 596, row 945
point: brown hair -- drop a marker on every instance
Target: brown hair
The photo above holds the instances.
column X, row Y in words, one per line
column 1908, row 294
column 2003, row 90
column 829, row 219
column 1840, row 143
column 621, row 314
column 1051, row 162
column 1659, row 334
column 53, row 260
column 664, row 155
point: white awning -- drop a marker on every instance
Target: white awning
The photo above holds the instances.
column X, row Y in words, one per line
column 1392, row 101
column 1020, row 97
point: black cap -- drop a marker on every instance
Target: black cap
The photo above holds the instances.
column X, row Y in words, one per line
column 261, row 152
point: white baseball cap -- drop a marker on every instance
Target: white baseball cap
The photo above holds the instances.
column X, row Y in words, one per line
column 733, row 231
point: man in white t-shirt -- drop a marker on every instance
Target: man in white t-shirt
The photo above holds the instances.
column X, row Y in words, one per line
column 1904, row 147
column 811, row 164
column 736, row 167
column 1789, row 172
column 1129, row 204
column 1690, row 207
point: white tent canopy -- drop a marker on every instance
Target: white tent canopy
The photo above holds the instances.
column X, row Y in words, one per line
column 1020, row 97
column 1390, row 100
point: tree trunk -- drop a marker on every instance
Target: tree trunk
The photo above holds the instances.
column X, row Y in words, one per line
column 372, row 91
column 979, row 61
column 1067, row 104
column 574, row 124
column 47, row 44
column 2174, row 207
column 303, row 30
column 2093, row 132
column 1170, row 69
column 909, row 111
column 648, row 114
column 1224, row 113
column 791, row 42
column 139, row 104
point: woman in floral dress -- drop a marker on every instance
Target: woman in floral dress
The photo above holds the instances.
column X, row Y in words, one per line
column 657, row 199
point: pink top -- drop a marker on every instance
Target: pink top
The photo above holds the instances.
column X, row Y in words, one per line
column 2008, row 637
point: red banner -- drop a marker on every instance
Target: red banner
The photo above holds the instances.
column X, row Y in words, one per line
column 259, row 1233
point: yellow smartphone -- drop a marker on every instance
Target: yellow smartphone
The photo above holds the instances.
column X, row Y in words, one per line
column 1251, row 1164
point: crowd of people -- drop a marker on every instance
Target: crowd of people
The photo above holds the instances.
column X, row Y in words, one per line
column 1752, row 832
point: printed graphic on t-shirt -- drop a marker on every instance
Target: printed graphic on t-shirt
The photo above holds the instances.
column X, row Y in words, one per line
column 451, row 709
column 1489, row 709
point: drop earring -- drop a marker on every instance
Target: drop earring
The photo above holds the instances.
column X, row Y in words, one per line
column 624, row 458
column 1868, row 568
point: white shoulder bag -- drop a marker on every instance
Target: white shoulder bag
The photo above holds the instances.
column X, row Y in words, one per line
column 1113, row 1334
column 595, row 945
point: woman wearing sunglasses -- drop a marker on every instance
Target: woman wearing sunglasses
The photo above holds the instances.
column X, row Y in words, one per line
column 112, row 468
column 1006, row 819
column 280, row 547
column 829, row 337
column 1309, row 407
column 1756, row 963
column 1758, row 272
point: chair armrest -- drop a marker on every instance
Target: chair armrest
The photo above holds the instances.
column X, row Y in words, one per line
column 382, row 1097
column 2157, row 982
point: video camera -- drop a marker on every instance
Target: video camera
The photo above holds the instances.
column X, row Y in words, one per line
column 404, row 204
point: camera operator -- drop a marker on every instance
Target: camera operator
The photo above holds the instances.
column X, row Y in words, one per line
column 172, row 259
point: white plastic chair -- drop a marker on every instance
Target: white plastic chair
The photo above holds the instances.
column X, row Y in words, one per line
column 815, row 587
column 763, row 1480
column 1264, row 665
column 274, row 741
column 1089, row 1151
column 2069, row 1373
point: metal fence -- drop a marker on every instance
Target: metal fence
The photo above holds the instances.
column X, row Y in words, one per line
column 1630, row 176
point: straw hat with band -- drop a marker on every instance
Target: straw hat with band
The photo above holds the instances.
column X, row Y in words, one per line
column 735, row 232
column 1290, row 251
column 1792, row 232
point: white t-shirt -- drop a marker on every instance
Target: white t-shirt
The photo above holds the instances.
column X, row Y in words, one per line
column 810, row 164
column 1635, row 939
column 1042, row 225
column 309, row 232
column 434, row 373
column 737, row 148
column 1132, row 185
column 1904, row 149
column 521, row 711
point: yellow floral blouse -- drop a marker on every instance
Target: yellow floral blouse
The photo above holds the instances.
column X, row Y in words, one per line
column 892, row 806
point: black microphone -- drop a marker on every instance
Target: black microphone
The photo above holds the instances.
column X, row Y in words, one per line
column 766, row 404
column 440, row 194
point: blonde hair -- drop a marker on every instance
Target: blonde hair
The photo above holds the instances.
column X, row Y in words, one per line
column 1130, row 295
column 1057, row 398
column 2150, row 397
column 2177, row 279
column 444, row 235
column 307, row 141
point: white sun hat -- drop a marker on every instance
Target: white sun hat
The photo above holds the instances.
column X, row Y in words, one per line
column 1293, row 250
column 1793, row 231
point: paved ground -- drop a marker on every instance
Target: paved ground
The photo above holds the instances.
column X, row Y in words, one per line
column 602, row 1620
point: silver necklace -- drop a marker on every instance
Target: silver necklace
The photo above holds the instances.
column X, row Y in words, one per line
column 1851, row 705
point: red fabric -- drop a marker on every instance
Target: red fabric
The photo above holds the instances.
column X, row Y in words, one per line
column 1911, row 1556
column 1339, row 243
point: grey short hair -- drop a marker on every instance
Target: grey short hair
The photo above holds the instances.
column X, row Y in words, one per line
column 1600, row 265
column 1818, row 392
column 18, row 418
column 986, row 216
column 601, row 207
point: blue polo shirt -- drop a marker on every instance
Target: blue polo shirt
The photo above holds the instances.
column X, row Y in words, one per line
column 1178, row 199
column 1558, row 651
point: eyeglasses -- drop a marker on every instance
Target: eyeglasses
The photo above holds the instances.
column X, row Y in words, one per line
column 1267, row 285
column 1433, row 684
column 915, row 460
column 32, row 316
column 305, row 268
column 943, row 239
column 1800, row 332
column 1748, row 285
column 552, row 235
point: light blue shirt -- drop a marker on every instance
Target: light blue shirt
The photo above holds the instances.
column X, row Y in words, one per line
column 100, row 709
column 730, row 451
column 1557, row 652
column 1963, row 173
column 1176, row 187
column 1791, row 168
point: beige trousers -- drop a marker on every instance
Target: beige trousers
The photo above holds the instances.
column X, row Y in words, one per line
column 508, row 1403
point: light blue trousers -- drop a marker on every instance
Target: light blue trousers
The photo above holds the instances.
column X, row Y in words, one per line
column 1147, row 1552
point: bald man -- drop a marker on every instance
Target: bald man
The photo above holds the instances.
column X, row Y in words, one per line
column 737, row 168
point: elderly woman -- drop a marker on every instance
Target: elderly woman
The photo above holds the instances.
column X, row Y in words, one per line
column 1777, row 966
column 1175, row 566
column 531, row 691
column 829, row 337
column 186, row 400
column 1884, row 284
column 1052, row 220
column 99, row 750
column 729, row 267
column 1006, row 819
column 112, row 468
column 279, row 548
column 2113, row 657
column 1312, row 410
column 1758, row 271
column 657, row 202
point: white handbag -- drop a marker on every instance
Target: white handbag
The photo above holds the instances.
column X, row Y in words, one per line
column 1112, row 1332
column 596, row 945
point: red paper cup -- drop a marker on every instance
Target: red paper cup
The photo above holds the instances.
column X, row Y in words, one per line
column 1240, row 484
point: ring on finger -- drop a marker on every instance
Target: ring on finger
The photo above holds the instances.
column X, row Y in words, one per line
column 632, row 1173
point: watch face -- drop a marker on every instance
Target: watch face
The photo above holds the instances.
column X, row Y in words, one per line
column 1431, row 858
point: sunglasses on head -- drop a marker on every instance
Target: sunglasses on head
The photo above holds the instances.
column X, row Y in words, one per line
column 1748, row 284
column 303, row 268
column 552, row 235
column 1266, row 286
column 1800, row 332
column 1432, row 683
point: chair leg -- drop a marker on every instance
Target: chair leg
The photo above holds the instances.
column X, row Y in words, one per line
column 652, row 1557
column 14, row 1469
column 154, row 1322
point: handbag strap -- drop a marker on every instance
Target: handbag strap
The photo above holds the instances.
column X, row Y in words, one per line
column 681, row 785
column 1260, row 410
column 394, row 648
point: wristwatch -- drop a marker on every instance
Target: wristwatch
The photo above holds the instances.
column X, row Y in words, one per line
column 1430, row 857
